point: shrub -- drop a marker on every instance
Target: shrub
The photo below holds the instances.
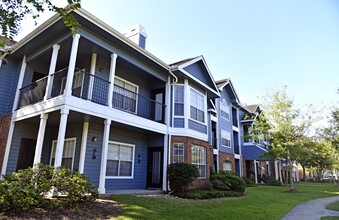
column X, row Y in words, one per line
column 181, row 175
column 220, row 185
column 233, row 182
column 273, row 182
column 27, row 188
column 249, row 182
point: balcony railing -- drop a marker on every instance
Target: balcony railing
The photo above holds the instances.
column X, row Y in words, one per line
column 126, row 100
column 95, row 89
column 32, row 93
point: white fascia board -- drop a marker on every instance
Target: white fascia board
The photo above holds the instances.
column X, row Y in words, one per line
column 188, row 133
column 88, row 107
column 199, row 81
column 235, row 128
column 39, row 108
column 213, row 118
column 215, row 151
column 236, row 156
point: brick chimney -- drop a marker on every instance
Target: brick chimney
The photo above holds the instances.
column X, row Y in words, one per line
column 137, row 34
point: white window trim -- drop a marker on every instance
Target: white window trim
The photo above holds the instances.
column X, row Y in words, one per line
column 229, row 114
column 194, row 145
column 54, row 144
column 223, row 131
column 183, row 152
column 205, row 106
column 137, row 92
column 133, row 157
column 173, row 106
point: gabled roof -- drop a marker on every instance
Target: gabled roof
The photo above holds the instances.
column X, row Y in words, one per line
column 183, row 66
column 253, row 108
column 221, row 84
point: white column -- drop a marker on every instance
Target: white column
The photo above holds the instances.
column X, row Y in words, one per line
column 92, row 73
column 187, row 98
column 276, row 169
column 102, row 187
column 255, row 172
column 40, row 139
column 61, row 136
column 52, row 66
column 7, row 150
column 164, row 175
column 280, row 176
column 83, row 147
column 268, row 168
column 297, row 174
column 111, row 78
column 71, row 66
column 20, row 81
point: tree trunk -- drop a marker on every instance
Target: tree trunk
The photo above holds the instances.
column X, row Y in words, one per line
column 304, row 172
column 291, row 175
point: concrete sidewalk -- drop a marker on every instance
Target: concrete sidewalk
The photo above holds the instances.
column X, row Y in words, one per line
column 312, row 210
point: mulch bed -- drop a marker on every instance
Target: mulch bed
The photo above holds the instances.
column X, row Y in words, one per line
column 100, row 209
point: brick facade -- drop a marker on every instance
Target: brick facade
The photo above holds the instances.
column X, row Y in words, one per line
column 188, row 141
column 226, row 157
column 5, row 123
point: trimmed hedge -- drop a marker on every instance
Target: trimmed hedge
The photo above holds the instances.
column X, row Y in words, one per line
column 181, row 175
column 228, row 182
column 25, row 189
column 207, row 194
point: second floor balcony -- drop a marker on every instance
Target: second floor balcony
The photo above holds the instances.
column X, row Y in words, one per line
column 96, row 89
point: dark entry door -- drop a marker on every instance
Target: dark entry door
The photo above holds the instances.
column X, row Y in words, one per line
column 155, row 167
column 26, row 153
column 158, row 106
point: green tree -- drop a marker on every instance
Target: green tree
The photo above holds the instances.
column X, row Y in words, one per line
column 12, row 12
column 285, row 126
column 306, row 154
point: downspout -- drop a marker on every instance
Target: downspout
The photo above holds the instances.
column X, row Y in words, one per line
column 174, row 76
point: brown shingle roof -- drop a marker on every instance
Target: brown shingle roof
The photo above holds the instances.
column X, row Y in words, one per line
column 177, row 64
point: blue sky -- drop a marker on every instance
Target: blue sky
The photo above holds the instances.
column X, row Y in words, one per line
column 258, row 44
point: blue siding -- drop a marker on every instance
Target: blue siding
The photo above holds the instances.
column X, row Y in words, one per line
column 179, row 122
column 224, row 124
column 140, row 174
column 199, row 71
column 9, row 74
column 21, row 130
column 193, row 125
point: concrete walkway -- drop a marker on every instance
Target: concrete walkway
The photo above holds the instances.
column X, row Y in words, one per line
column 312, row 210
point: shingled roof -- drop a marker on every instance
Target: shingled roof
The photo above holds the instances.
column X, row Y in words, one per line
column 177, row 64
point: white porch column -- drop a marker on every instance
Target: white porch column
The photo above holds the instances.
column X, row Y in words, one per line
column 92, row 73
column 40, row 139
column 83, row 146
column 102, row 187
column 20, row 81
column 280, row 176
column 276, row 169
column 268, row 168
column 187, row 101
column 71, row 66
column 111, row 78
column 61, row 137
column 52, row 66
column 7, row 150
column 255, row 172
column 164, row 175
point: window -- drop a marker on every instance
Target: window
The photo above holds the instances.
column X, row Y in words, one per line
column 67, row 154
column 197, row 106
column 178, row 153
column 225, row 139
column 224, row 110
column 227, row 166
column 125, row 95
column 120, row 160
column 179, row 100
column 199, row 159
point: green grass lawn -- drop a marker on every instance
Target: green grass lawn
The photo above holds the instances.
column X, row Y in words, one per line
column 262, row 202
column 333, row 206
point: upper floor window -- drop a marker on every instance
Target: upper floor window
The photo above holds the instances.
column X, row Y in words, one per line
column 125, row 95
column 67, row 153
column 178, row 153
column 224, row 110
column 199, row 159
column 179, row 100
column 120, row 160
column 197, row 107
column 225, row 139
